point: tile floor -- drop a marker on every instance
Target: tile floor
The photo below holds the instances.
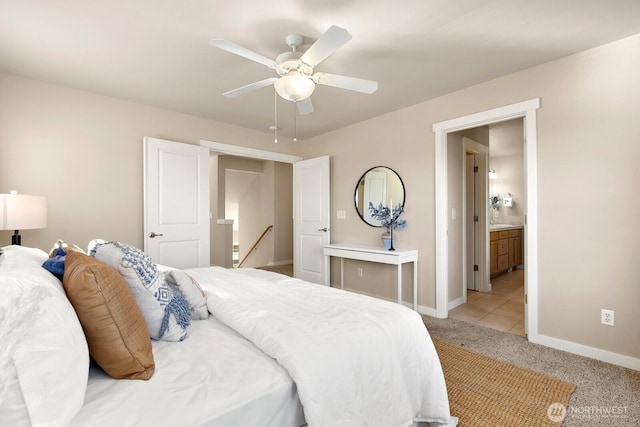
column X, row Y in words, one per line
column 502, row 308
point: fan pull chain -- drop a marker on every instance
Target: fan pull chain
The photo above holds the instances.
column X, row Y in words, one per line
column 295, row 122
column 275, row 110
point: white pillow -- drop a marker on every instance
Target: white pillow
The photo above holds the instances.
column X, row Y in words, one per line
column 191, row 291
column 44, row 359
column 166, row 311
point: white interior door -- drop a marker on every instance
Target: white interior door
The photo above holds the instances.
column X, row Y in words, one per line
column 470, row 214
column 311, row 214
column 476, row 230
column 176, row 203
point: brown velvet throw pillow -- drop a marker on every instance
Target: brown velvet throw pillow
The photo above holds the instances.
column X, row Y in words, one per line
column 116, row 332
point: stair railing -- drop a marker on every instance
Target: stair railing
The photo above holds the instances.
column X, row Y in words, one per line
column 255, row 245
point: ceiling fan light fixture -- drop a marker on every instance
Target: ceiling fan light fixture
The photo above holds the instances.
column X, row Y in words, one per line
column 294, row 86
column 297, row 80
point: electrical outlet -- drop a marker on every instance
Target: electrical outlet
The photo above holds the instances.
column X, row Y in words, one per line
column 359, row 272
column 607, row 317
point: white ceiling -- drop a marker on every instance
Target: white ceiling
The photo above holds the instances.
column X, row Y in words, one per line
column 156, row 52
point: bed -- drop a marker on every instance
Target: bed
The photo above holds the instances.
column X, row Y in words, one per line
column 274, row 351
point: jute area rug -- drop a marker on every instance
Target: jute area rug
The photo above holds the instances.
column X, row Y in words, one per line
column 486, row 392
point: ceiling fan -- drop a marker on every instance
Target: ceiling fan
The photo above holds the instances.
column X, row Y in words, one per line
column 297, row 81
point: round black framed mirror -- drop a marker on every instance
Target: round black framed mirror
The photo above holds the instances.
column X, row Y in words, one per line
column 380, row 184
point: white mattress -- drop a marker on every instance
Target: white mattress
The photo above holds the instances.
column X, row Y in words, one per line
column 214, row 377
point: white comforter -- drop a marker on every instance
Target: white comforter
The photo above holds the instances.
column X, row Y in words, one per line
column 356, row 360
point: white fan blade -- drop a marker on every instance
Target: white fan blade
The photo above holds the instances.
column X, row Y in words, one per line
column 344, row 82
column 242, row 51
column 305, row 106
column 329, row 42
column 248, row 88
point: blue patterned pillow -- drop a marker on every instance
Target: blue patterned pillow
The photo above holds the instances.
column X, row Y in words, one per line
column 191, row 291
column 166, row 311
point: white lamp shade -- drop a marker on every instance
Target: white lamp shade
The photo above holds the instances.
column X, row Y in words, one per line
column 22, row 212
column 294, row 86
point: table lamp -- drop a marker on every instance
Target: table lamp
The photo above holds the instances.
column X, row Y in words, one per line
column 22, row 212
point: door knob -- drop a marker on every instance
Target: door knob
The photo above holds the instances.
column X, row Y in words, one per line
column 153, row 234
column 325, row 229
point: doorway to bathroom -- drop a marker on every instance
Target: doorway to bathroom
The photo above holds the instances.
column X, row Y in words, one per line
column 497, row 192
column 527, row 110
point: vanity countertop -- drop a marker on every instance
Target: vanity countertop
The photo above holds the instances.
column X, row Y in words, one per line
column 502, row 227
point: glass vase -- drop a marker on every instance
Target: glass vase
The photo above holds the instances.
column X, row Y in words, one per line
column 386, row 240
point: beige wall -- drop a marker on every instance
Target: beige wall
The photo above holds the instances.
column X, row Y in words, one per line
column 510, row 170
column 84, row 152
column 283, row 213
column 510, row 180
column 257, row 213
column 588, row 146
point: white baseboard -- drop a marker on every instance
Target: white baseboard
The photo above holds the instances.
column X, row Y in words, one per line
column 275, row 263
column 355, row 291
column 421, row 309
column 591, row 352
column 558, row 344
column 429, row 311
column 456, row 302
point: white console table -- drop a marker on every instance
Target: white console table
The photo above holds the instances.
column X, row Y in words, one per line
column 379, row 255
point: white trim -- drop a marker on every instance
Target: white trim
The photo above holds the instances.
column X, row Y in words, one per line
column 254, row 153
column 456, row 302
column 369, row 294
column 526, row 109
column 442, row 241
column 428, row 311
column 482, row 118
column 277, row 263
column 531, row 224
column 592, row 352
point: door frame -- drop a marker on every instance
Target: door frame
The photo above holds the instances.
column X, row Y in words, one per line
column 528, row 111
column 252, row 153
column 219, row 148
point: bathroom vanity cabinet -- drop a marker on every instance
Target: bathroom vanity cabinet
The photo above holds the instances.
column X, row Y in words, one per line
column 505, row 249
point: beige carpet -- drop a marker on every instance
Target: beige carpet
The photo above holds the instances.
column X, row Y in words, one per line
column 606, row 395
column 486, row 392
